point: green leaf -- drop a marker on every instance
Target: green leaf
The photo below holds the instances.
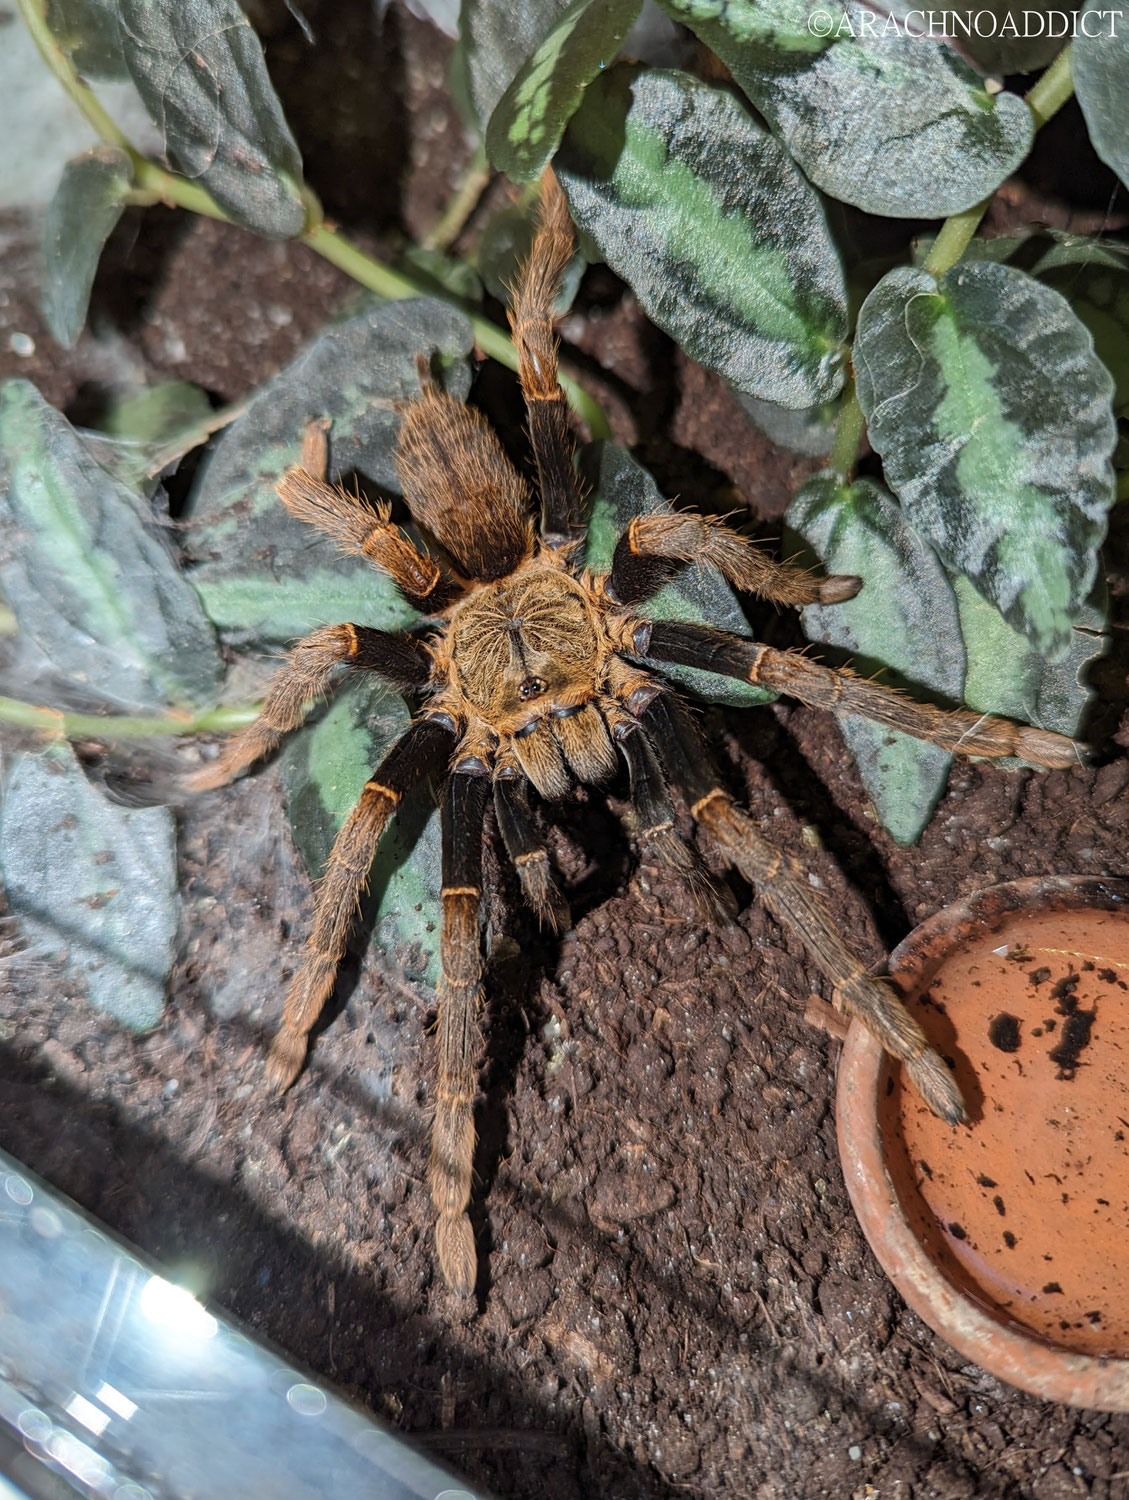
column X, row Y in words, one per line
column 992, row 414
column 1099, row 296
column 89, row 33
column 1099, row 65
column 718, row 234
column 199, row 68
column 530, row 118
column 324, row 768
column 891, row 123
column 91, row 884
column 145, row 432
column 621, row 489
column 80, row 219
column 810, row 432
column 1006, row 676
column 495, row 40
column 505, row 244
column 903, row 623
column 442, row 274
column 264, row 576
column 1011, row 41
column 88, row 580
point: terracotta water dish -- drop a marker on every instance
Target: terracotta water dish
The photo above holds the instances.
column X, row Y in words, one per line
column 1009, row 1235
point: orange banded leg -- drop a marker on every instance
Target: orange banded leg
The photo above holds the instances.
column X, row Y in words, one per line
column 782, row 884
column 957, row 730
column 425, row 748
column 531, row 319
column 460, row 1034
column 653, row 548
column 361, row 528
column 527, row 853
column 307, row 675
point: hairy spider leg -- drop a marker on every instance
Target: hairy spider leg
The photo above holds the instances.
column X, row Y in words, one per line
column 424, row 749
column 654, row 811
column 363, row 529
column 957, row 730
column 531, row 320
column 526, row 851
column 310, row 671
column 460, row 1035
column 459, row 484
column 782, row 883
column 655, row 547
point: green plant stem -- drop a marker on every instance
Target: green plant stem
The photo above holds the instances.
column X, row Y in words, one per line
column 954, row 238
column 1046, row 97
column 450, row 223
column 67, row 726
column 1043, row 99
column 848, row 434
column 152, row 183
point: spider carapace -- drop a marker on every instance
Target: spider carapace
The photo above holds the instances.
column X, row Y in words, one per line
column 528, row 670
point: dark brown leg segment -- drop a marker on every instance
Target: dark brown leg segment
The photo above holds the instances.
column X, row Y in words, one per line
column 527, row 853
column 460, row 1035
column 655, row 812
column 957, row 730
column 782, row 884
column 423, row 750
column 653, row 548
column 309, row 673
column 531, row 318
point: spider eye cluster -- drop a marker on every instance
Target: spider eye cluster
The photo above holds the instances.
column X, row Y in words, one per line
column 532, row 687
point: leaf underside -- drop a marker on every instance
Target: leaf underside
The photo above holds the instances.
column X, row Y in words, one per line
column 80, row 219
column 1099, row 66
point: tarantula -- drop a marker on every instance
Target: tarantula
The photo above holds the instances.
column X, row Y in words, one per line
column 527, row 671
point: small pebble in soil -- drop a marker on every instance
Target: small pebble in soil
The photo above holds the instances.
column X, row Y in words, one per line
column 21, row 344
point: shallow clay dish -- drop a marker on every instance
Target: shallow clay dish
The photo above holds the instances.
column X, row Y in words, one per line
column 1009, row 1235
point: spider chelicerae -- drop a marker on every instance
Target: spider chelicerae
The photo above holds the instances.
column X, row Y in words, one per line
column 527, row 672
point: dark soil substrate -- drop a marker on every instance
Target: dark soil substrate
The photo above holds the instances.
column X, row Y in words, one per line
column 676, row 1298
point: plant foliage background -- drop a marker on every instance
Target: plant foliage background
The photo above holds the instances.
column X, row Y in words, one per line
column 703, row 147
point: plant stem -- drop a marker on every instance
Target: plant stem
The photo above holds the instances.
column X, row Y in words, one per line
column 153, row 183
column 954, row 237
column 848, row 434
column 67, row 726
column 1044, row 99
column 449, row 225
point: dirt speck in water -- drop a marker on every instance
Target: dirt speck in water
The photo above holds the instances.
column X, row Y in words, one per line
column 1003, row 1032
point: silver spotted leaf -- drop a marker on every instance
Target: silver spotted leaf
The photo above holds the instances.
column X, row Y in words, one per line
column 263, row 576
column 994, row 419
column 92, row 583
column 92, row 885
column 903, row 625
column 718, row 234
